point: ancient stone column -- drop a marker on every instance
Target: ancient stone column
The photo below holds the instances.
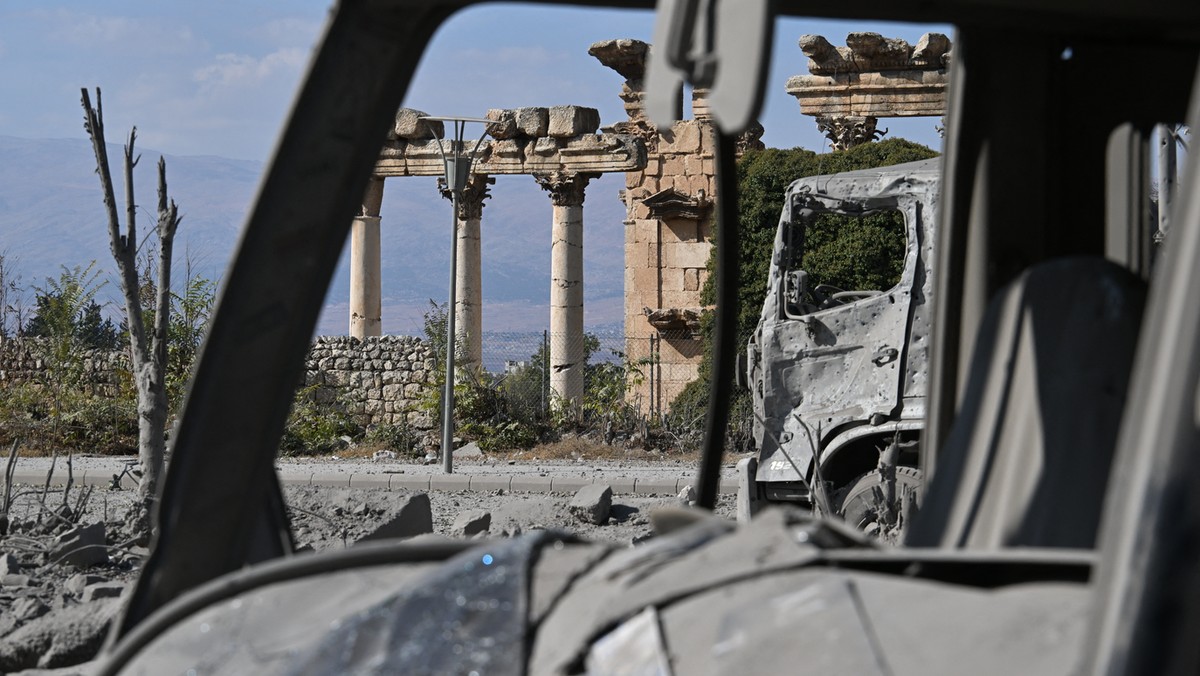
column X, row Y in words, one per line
column 468, row 305
column 365, row 284
column 566, row 284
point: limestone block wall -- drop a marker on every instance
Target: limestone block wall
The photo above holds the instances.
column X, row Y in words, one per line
column 668, row 227
column 380, row 379
column 668, row 238
column 24, row 360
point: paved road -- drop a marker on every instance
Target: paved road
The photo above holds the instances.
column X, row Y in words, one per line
column 627, row 477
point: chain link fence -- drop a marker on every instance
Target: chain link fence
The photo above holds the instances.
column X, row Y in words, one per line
column 648, row 370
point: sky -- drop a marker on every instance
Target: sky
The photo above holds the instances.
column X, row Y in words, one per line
column 217, row 77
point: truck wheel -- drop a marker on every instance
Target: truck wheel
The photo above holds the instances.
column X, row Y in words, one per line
column 864, row 504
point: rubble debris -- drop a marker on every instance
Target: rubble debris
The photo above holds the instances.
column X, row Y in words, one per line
column 413, row 517
column 592, row 504
column 383, row 455
column 470, row 450
column 102, row 590
column 60, row 638
column 687, row 496
column 471, row 522
column 9, row 565
column 78, row 582
column 82, row 547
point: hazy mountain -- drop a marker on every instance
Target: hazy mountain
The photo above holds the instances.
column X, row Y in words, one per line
column 51, row 214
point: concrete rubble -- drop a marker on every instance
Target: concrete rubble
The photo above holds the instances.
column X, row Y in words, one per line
column 592, row 504
column 472, row 522
column 470, row 450
column 81, row 547
column 412, row 517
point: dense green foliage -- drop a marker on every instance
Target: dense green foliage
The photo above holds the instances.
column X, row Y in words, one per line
column 763, row 178
column 67, row 312
column 852, row 254
column 63, row 408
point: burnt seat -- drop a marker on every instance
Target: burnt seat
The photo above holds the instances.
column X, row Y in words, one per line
column 1027, row 460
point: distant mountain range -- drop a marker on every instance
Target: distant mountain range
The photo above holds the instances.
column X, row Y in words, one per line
column 51, row 215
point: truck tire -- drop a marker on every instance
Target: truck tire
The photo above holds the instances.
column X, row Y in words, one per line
column 862, row 505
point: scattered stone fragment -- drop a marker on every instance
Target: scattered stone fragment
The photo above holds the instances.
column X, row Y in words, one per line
column 383, row 455
column 81, row 547
column 28, row 608
column 592, row 504
column 413, row 517
column 9, row 565
column 470, row 450
column 361, row 510
column 14, row 580
column 687, row 496
column 76, row 583
column 471, row 522
column 60, row 638
column 102, row 590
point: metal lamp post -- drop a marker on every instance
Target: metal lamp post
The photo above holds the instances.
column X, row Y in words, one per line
column 458, row 172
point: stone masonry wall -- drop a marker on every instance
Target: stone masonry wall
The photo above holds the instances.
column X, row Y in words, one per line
column 24, row 360
column 381, row 380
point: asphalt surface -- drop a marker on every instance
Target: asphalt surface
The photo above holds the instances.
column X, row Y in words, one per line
column 666, row 477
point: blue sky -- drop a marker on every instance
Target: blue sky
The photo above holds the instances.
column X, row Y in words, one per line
column 217, row 77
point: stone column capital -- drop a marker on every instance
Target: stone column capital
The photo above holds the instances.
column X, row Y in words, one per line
column 845, row 132
column 470, row 203
column 566, row 189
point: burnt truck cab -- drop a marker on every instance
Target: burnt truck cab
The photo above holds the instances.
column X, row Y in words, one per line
column 838, row 376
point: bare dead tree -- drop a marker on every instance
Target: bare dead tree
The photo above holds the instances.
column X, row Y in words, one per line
column 148, row 353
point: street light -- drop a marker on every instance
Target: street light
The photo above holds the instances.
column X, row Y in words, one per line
column 458, row 172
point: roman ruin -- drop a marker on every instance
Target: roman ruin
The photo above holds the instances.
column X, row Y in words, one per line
column 849, row 88
column 668, row 226
column 561, row 149
column 669, row 194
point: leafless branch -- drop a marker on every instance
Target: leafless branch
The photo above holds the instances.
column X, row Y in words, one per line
column 9, row 469
column 49, row 473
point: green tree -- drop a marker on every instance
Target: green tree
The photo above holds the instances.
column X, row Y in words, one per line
column 67, row 316
column 836, row 244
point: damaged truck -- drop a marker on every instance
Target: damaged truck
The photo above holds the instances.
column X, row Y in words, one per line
column 838, row 377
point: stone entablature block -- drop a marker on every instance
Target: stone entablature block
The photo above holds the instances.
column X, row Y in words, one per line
column 523, row 141
column 897, row 93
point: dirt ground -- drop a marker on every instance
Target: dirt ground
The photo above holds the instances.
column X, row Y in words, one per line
column 54, row 614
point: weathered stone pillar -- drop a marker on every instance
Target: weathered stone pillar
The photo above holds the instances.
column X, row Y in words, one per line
column 468, row 305
column 365, row 284
column 566, row 283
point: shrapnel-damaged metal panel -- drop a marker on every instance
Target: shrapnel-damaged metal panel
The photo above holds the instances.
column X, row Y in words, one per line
column 820, row 374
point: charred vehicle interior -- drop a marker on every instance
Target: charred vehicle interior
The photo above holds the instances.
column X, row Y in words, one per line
column 1057, row 530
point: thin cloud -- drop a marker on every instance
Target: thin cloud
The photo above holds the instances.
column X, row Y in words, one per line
column 93, row 31
column 242, row 70
column 290, row 31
